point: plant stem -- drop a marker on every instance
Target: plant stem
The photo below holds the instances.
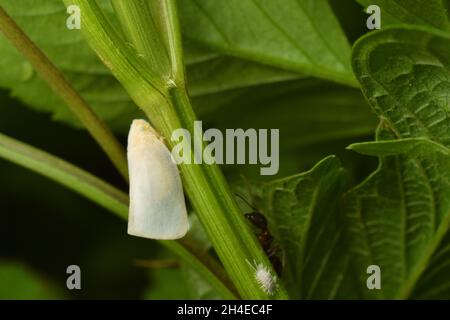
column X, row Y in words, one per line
column 61, row 87
column 222, row 219
column 112, row 199
column 64, row 173
column 165, row 11
column 136, row 20
column 165, row 102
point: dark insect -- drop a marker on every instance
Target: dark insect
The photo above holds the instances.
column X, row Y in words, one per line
column 265, row 238
column 276, row 262
column 257, row 219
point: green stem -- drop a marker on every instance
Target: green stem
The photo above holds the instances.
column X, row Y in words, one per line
column 57, row 82
column 65, row 173
column 165, row 102
column 222, row 219
column 165, row 11
column 112, row 199
column 136, row 20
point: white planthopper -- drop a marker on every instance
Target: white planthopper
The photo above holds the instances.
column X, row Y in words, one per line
column 157, row 204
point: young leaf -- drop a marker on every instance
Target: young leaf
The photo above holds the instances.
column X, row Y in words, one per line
column 405, row 76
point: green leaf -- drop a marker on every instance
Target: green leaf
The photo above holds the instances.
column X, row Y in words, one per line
column 304, row 220
column 226, row 73
column 302, row 36
column 399, row 217
column 18, row 282
column 315, row 118
column 307, row 111
column 395, row 147
column 432, row 13
column 405, row 76
column 45, row 24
